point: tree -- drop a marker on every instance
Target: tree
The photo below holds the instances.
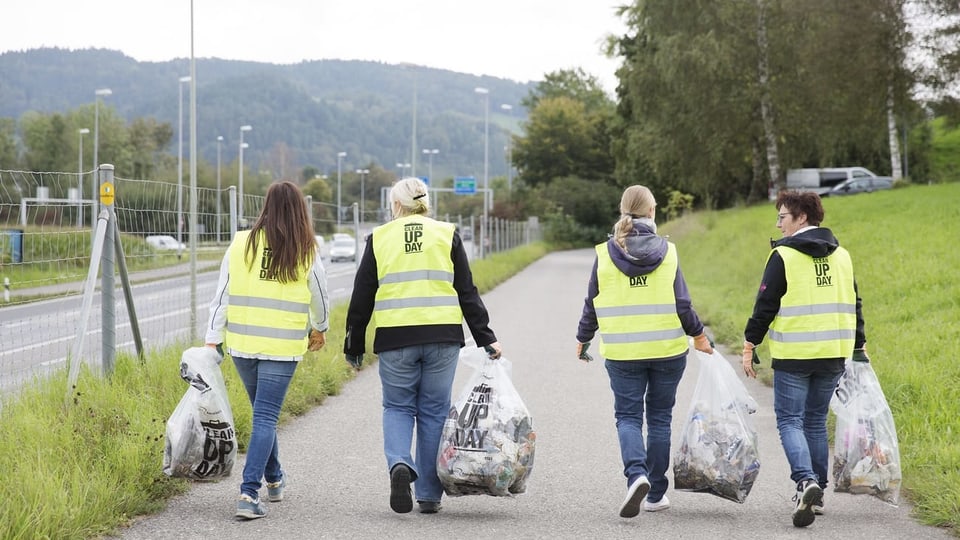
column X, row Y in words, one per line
column 8, row 144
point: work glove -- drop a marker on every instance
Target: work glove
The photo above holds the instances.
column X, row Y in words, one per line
column 582, row 352
column 493, row 350
column 219, row 348
column 703, row 344
column 749, row 358
column 860, row 355
column 355, row 360
column 317, row 340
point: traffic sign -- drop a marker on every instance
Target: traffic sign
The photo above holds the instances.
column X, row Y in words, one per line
column 464, row 185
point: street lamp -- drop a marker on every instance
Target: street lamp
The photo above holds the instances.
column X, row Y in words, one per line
column 185, row 79
column 240, row 179
column 340, row 156
column 219, row 194
column 82, row 132
column 362, row 173
column 430, row 153
column 507, row 108
column 96, row 160
column 486, row 154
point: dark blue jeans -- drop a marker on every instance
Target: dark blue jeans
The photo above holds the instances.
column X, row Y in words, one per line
column 417, row 382
column 645, row 386
column 266, row 382
column 801, row 402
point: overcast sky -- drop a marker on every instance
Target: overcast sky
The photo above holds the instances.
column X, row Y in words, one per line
column 512, row 39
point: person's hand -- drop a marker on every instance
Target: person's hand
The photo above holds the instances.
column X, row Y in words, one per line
column 749, row 359
column 355, row 360
column 217, row 347
column 493, row 350
column 317, row 340
column 703, row 344
column 582, row 353
column 860, row 355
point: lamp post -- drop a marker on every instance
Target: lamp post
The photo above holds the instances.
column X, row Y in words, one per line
column 185, row 79
column 486, row 167
column 340, row 156
column 219, row 195
column 81, row 132
column 507, row 108
column 430, row 153
column 240, row 179
column 96, row 160
column 362, row 173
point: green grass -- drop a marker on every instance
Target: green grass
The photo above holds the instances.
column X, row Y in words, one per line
column 908, row 272
column 82, row 467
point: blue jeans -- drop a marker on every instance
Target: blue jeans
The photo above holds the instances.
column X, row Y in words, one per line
column 416, row 384
column 801, row 402
column 266, row 382
column 640, row 385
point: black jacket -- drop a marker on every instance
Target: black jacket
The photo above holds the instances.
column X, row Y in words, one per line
column 816, row 242
column 365, row 286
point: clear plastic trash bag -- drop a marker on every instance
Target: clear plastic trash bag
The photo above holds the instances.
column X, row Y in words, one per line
column 718, row 451
column 488, row 443
column 201, row 440
column 866, row 454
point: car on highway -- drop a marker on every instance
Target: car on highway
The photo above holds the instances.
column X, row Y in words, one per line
column 164, row 242
column 343, row 249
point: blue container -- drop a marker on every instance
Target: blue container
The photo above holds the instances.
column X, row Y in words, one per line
column 11, row 242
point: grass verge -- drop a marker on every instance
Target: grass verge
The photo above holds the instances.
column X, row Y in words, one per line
column 81, row 467
column 908, row 274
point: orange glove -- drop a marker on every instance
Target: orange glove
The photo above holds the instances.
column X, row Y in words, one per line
column 317, row 340
column 749, row 359
column 703, row 344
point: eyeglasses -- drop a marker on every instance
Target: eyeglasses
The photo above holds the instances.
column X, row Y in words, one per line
column 780, row 217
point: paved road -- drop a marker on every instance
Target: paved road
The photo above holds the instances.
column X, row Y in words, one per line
column 338, row 485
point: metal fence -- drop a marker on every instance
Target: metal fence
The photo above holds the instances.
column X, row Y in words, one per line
column 47, row 221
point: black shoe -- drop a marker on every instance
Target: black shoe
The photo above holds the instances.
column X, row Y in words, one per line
column 429, row 507
column 807, row 493
column 401, row 500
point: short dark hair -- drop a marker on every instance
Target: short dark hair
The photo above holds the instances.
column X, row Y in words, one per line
column 805, row 202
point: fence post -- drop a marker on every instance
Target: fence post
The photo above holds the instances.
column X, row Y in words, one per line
column 108, row 316
column 232, row 195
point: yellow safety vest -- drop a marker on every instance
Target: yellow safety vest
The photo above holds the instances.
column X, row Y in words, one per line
column 638, row 315
column 265, row 316
column 818, row 314
column 415, row 273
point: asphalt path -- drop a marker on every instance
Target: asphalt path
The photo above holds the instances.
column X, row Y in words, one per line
column 338, row 485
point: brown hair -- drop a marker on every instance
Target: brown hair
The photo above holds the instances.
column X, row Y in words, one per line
column 286, row 225
column 802, row 202
column 636, row 202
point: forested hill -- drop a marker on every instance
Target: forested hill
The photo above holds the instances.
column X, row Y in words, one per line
column 311, row 110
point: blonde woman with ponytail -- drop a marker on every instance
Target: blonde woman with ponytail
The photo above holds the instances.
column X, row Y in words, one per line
column 638, row 301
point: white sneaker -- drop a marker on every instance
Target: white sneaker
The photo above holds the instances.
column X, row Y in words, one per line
column 635, row 494
column 662, row 504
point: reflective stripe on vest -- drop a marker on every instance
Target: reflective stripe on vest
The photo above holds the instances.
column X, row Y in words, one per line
column 415, row 273
column 638, row 316
column 265, row 316
column 818, row 313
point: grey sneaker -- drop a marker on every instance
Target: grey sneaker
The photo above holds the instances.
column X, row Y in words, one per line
column 635, row 494
column 275, row 489
column 807, row 493
column 249, row 508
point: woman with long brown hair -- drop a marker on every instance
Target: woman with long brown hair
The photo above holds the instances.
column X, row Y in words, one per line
column 270, row 307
